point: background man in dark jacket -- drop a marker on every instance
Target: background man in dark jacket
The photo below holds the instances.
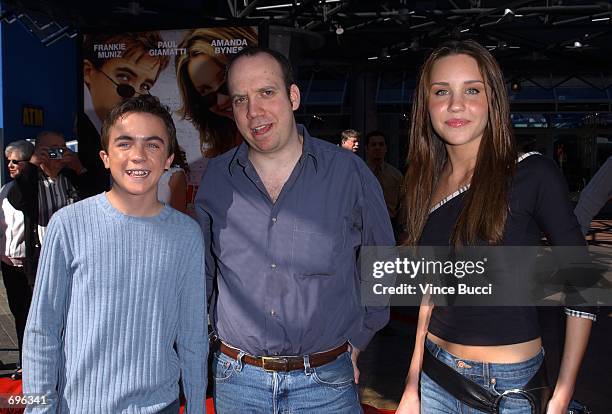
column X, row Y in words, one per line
column 52, row 179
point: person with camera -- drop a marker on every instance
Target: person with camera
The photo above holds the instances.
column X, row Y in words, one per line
column 52, row 179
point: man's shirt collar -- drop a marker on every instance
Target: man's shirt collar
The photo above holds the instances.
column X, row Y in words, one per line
column 309, row 151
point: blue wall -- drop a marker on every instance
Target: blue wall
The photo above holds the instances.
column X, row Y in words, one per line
column 36, row 75
column 1, row 90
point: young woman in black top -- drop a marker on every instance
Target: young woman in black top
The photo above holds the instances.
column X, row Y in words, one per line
column 466, row 185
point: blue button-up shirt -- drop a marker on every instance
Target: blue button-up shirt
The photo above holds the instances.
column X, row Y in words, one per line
column 284, row 274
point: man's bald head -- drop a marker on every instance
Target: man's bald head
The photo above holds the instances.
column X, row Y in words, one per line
column 50, row 139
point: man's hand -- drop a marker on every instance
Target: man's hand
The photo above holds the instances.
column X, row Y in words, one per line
column 40, row 156
column 72, row 161
column 354, row 355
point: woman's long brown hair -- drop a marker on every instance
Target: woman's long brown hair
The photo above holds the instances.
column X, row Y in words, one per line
column 485, row 207
column 217, row 133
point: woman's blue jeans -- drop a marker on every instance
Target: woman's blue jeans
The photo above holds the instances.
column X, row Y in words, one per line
column 497, row 378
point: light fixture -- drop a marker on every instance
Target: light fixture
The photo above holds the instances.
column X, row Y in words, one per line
column 373, row 58
column 339, row 29
column 577, row 43
column 601, row 19
column 508, row 16
column 515, row 86
column 276, row 6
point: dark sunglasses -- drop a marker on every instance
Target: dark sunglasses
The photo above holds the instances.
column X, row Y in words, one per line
column 15, row 162
column 124, row 90
column 210, row 99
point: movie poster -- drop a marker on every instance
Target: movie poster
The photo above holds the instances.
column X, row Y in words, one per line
column 185, row 70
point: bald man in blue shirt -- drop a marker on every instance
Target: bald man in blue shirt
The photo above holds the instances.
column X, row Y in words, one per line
column 285, row 216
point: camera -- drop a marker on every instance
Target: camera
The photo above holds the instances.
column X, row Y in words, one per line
column 55, row 153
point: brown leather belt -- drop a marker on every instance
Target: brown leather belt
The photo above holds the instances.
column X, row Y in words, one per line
column 285, row 363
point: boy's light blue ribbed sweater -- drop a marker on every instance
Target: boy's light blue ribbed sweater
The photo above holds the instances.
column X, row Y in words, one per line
column 113, row 294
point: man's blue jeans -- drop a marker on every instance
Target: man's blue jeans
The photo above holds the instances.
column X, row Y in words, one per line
column 242, row 388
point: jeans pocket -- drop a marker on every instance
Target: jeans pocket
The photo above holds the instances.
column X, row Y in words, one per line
column 222, row 368
column 336, row 374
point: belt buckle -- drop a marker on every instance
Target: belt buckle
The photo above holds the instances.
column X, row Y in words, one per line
column 516, row 391
column 278, row 360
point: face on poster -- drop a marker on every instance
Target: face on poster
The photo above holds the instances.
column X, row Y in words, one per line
column 185, row 69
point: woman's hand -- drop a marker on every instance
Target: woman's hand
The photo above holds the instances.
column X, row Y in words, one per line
column 556, row 406
column 410, row 403
column 577, row 331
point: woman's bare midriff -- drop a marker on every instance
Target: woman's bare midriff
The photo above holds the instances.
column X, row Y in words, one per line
column 498, row 354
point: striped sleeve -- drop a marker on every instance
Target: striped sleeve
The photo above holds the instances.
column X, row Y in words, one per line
column 580, row 314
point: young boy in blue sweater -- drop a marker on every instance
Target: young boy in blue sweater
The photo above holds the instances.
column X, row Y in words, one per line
column 121, row 282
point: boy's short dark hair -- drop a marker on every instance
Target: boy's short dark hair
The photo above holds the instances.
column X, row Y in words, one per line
column 282, row 61
column 147, row 104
